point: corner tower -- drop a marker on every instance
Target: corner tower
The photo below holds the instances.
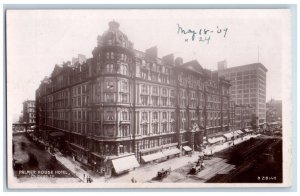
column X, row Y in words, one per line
column 113, row 98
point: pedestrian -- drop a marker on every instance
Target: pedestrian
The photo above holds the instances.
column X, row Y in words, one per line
column 83, row 177
column 132, row 180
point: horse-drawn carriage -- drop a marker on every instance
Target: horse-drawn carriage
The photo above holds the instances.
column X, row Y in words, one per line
column 206, row 155
column 197, row 167
column 163, row 173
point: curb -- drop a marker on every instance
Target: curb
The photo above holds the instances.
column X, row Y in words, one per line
column 65, row 166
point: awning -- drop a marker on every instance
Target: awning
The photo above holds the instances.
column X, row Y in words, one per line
column 187, row 148
column 228, row 135
column 56, row 134
column 98, row 155
column 240, row 132
column 125, row 163
column 171, row 151
column 78, row 146
column 207, row 152
column 248, row 130
column 215, row 140
column 274, row 123
column 154, row 156
column 235, row 133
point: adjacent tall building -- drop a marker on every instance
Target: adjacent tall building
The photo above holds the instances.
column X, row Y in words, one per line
column 28, row 112
column 248, row 87
column 129, row 105
column 274, row 111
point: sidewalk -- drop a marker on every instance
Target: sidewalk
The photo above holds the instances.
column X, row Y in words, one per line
column 144, row 173
column 225, row 145
column 76, row 169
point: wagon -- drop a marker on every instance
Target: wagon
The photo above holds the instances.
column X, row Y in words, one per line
column 208, row 156
column 163, row 173
column 195, row 169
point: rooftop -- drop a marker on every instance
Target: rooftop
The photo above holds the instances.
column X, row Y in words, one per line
column 252, row 65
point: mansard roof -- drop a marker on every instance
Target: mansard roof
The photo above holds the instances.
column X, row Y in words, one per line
column 193, row 66
column 57, row 70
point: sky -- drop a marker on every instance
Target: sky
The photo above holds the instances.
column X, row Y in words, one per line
column 39, row 39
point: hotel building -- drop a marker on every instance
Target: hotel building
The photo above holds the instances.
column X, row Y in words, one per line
column 125, row 107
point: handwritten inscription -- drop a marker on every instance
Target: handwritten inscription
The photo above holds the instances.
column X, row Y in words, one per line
column 201, row 34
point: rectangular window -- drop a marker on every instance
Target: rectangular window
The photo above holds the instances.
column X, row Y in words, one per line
column 144, row 129
column 144, row 75
column 124, row 98
column 144, row 89
column 124, row 86
column 164, row 91
column 154, row 90
column 155, row 116
column 144, row 116
column 110, row 68
column 124, row 116
column 155, row 128
column 164, row 115
column 172, row 93
column 111, row 55
column 144, row 100
column 164, row 101
column 109, row 97
column 164, row 127
column 172, row 102
column 155, row 101
column 124, row 131
column 110, row 115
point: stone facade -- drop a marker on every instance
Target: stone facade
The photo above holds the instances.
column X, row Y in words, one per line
column 124, row 102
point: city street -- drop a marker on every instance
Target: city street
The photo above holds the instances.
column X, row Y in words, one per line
column 239, row 163
column 148, row 173
column 230, row 163
column 33, row 163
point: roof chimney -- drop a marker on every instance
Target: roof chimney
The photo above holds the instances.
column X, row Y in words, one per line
column 168, row 60
column 178, row 61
